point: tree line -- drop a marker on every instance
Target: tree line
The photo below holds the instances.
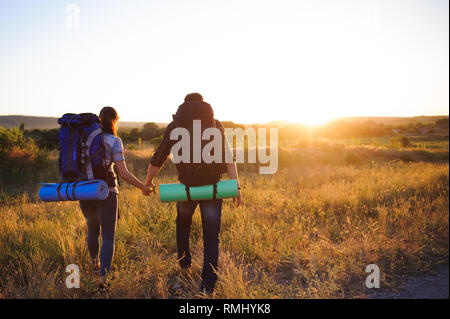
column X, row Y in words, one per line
column 151, row 132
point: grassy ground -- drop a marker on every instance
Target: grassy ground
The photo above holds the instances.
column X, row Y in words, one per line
column 309, row 231
column 417, row 141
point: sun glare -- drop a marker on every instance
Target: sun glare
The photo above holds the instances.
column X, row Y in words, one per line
column 302, row 62
column 314, row 120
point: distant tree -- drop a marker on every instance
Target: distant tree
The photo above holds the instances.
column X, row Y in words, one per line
column 129, row 135
column 400, row 141
column 135, row 132
column 15, row 147
column 156, row 141
column 442, row 123
column 404, row 142
column 150, row 130
column 10, row 138
column 48, row 139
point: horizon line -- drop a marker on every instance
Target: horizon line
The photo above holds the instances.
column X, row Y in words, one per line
column 249, row 123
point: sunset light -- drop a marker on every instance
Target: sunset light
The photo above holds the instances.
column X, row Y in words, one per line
column 224, row 158
column 254, row 61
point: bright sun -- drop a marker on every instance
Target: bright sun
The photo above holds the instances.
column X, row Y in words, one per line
column 313, row 119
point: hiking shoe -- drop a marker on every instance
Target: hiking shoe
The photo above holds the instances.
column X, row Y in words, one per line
column 184, row 276
column 206, row 290
column 103, row 287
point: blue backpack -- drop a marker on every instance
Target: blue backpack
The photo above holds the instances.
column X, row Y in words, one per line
column 82, row 152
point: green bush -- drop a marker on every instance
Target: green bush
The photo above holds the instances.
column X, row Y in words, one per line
column 23, row 164
column 10, row 138
column 48, row 139
column 150, row 131
column 156, row 141
column 399, row 141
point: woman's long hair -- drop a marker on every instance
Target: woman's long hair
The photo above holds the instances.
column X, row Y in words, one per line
column 109, row 119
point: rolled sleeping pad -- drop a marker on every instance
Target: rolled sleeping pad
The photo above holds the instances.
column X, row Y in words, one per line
column 177, row 192
column 86, row 190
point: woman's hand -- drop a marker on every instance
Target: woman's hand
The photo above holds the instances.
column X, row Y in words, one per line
column 150, row 188
column 146, row 191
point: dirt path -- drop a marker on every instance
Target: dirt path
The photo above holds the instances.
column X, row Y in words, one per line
column 433, row 286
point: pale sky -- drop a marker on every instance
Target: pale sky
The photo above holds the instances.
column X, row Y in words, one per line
column 254, row 61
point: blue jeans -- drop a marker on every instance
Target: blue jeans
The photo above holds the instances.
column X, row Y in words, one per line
column 101, row 213
column 211, row 211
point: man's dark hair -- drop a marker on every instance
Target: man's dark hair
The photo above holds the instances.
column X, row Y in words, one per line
column 193, row 97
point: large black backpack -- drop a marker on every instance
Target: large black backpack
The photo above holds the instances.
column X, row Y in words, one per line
column 197, row 174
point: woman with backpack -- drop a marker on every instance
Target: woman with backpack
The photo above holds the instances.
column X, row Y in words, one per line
column 103, row 214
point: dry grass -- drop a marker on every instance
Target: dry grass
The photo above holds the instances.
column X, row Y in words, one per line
column 306, row 232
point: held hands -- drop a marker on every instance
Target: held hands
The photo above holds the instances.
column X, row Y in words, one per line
column 148, row 189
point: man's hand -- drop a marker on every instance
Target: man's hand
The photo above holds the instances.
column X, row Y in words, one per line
column 238, row 200
column 148, row 189
column 151, row 187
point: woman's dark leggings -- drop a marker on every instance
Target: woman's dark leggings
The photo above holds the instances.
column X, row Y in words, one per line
column 101, row 213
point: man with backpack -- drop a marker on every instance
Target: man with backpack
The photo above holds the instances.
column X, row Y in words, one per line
column 194, row 173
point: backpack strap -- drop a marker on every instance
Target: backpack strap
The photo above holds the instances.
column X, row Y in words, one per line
column 88, row 164
column 214, row 191
column 188, row 193
column 73, row 190
column 67, row 191
column 58, row 189
column 108, row 141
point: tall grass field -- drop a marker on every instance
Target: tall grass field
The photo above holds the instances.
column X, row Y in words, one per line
column 308, row 231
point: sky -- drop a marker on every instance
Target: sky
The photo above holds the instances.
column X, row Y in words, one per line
column 254, row 61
